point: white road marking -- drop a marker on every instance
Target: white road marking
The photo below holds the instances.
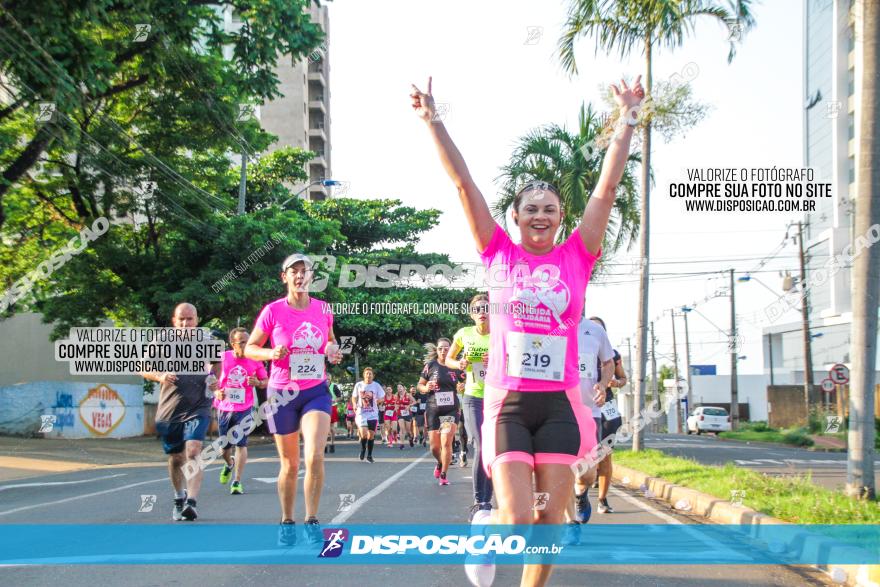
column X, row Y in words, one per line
column 274, row 479
column 644, row 506
column 87, row 495
column 48, row 484
column 671, row 520
column 343, row 516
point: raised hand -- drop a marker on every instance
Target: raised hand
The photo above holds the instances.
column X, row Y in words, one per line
column 422, row 103
column 627, row 97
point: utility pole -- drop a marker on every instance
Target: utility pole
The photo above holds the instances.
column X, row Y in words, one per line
column 734, row 391
column 687, row 362
column 637, row 404
column 805, row 318
column 656, row 395
column 242, row 186
column 866, row 269
column 629, row 355
column 675, row 371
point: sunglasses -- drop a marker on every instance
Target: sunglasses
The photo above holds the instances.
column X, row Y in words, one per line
column 539, row 186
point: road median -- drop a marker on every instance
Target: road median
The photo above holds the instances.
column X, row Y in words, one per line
column 683, row 485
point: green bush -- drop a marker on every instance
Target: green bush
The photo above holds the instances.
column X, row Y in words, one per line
column 760, row 426
column 797, row 437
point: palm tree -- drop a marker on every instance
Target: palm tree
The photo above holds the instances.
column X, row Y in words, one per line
column 555, row 155
column 866, row 267
column 623, row 25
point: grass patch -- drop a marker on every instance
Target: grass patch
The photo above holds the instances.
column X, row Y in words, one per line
column 760, row 432
column 793, row 499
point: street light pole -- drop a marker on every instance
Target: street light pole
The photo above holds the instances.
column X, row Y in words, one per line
column 242, row 185
column 675, row 371
column 687, row 359
column 323, row 182
column 734, row 390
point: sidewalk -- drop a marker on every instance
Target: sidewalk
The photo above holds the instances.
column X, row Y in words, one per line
column 29, row 457
column 828, row 442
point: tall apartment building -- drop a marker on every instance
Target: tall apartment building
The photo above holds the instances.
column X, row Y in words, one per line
column 831, row 78
column 301, row 118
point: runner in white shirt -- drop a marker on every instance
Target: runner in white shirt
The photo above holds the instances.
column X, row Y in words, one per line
column 594, row 352
column 611, row 422
column 368, row 398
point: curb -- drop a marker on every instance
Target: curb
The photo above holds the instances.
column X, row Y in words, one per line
column 724, row 512
column 780, row 445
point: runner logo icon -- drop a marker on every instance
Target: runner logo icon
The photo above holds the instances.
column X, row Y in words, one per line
column 334, row 541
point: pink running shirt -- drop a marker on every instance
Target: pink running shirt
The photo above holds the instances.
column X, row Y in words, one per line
column 234, row 377
column 304, row 333
column 536, row 303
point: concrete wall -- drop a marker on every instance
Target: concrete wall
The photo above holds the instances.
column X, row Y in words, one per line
column 34, row 384
column 27, row 354
column 715, row 389
column 75, row 410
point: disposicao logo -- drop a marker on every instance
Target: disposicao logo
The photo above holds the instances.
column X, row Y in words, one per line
column 334, row 541
column 451, row 544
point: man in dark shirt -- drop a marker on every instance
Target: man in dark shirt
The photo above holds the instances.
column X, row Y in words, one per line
column 182, row 419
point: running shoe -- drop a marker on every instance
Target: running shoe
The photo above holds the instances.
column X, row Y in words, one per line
column 583, row 506
column 370, row 459
column 313, row 531
column 332, row 449
column 572, row 534
column 443, row 479
column 410, row 442
column 401, row 446
column 236, row 488
column 464, row 459
column 287, row 533
column 177, row 512
column 437, row 470
column 604, row 507
column 480, row 570
column 226, row 472
column 454, row 459
column 363, row 452
column 476, row 508
column 189, row 512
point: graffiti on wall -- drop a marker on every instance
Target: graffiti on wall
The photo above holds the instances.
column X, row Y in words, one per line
column 101, row 410
column 63, row 409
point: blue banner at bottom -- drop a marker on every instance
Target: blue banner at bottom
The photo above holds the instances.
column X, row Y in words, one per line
column 412, row 544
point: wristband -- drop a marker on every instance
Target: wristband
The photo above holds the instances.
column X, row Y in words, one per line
column 629, row 120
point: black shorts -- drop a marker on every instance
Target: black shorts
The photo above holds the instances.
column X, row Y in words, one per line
column 436, row 415
column 548, row 427
column 371, row 425
column 606, row 428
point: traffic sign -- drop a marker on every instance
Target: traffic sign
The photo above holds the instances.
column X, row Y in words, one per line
column 827, row 385
column 839, row 374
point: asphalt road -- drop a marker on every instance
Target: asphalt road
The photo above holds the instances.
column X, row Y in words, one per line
column 407, row 494
column 827, row 469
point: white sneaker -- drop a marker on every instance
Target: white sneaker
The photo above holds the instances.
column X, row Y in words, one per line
column 480, row 574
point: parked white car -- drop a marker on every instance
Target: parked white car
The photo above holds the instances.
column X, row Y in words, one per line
column 708, row 419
